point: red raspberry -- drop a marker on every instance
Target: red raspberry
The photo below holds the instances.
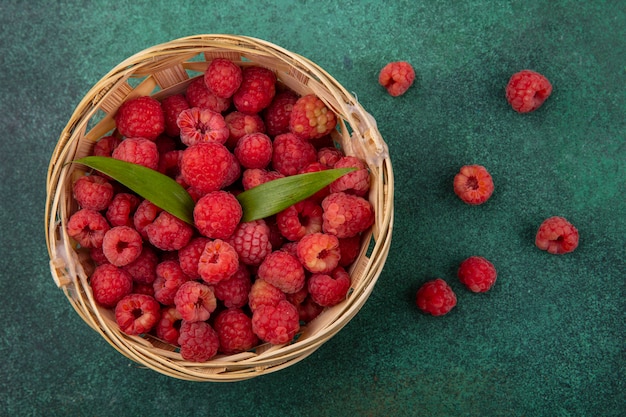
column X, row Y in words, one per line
column 276, row 239
column 557, row 236
column 138, row 151
column 257, row 89
column 167, row 328
column 169, row 278
column 329, row 289
column 276, row 324
column 169, row 164
column 473, row 184
column 106, row 145
column 120, row 211
column 217, row 214
column 310, row 118
column 241, row 124
column 319, row 252
column 276, row 115
column 198, row 95
column 282, row 270
column 218, row 262
column 93, row 192
column 97, row 256
column 141, row 288
column 257, row 176
column 110, row 284
column 233, row 172
column 309, row 309
column 291, row 154
column 198, row 125
column 198, row 341
column 251, row 241
column 144, row 215
column 300, row 219
column 198, row 158
column 172, row 106
column 350, row 247
column 316, row 167
column 291, row 248
column 254, row 150
column 167, row 232
column 264, row 293
column 356, row 182
column 195, row 301
column 122, row 245
column 234, row 329
column 189, row 256
column 397, row 77
column 435, row 297
column 143, row 269
column 233, row 291
column 329, row 156
column 346, row 215
column 141, row 117
column 137, row 314
column 477, row 274
column 527, row 90
column 223, row 77
column 87, row 227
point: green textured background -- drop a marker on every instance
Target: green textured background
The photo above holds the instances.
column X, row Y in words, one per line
column 547, row 340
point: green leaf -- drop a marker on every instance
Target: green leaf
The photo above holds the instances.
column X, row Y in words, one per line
column 274, row 196
column 158, row 188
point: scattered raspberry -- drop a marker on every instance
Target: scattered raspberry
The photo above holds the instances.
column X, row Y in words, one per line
column 144, row 215
column 329, row 156
column 251, row 241
column 300, row 219
column 233, row 291
column 198, row 341
column 310, row 118
column 397, row 77
column 93, row 192
column 106, row 145
column 291, row 154
column 282, row 270
column 143, row 269
column 189, row 256
column 346, row 215
column 257, row 89
column 138, row 151
column 122, row 245
column 242, row 124
column 195, row 301
column 141, row 117
column 198, row 125
column 527, row 90
column 435, row 297
column 329, row 289
column 319, row 252
column 276, row 324
column 557, row 236
column 168, row 326
column 477, row 274
column 350, row 247
column 137, row 313
column 169, row 278
column 110, row 284
column 254, row 150
column 234, row 329
column 256, row 176
column 473, row 184
column 217, row 214
column 167, row 232
column 198, row 95
column 276, row 115
column 87, row 227
column 121, row 209
column 218, row 262
column 222, row 77
column 196, row 159
column 172, row 106
column 264, row 293
column 316, row 167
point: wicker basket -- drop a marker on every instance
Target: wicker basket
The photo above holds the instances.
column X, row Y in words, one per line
column 167, row 69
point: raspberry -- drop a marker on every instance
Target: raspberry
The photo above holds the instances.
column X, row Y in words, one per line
column 196, row 159
column 88, row 228
column 97, row 256
column 310, row 118
column 264, row 293
column 254, row 150
column 257, row 89
column 316, row 167
column 234, row 330
column 222, row 77
column 291, row 248
column 300, row 219
column 105, row 146
column 198, row 95
column 233, row 172
column 110, row 284
column 172, row 106
column 137, row 313
column 121, row 209
column 276, row 324
column 473, row 184
column 356, row 182
column 122, row 245
column 189, row 256
column 195, row 301
column 217, row 214
column 257, row 176
column 143, row 269
column 138, row 151
column 329, row 289
column 319, row 252
column 166, row 144
column 144, row 215
column 292, row 154
column 276, row 115
column 167, row 328
column 527, row 90
column 198, row 341
column 167, row 232
column 329, row 156
column 241, row 124
column 276, row 239
column 435, row 297
column 92, row 192
column 169, row 164
column 169, row 278
column 198, row 125
column 309, row 309
column 141, row 288
column 346, row 215
column 282, row 270
column 218, row 261
column 397, row 77
column 251, row 241
column 233, row 291
column 477, row 274
column 141, row 117
column 349, row 248
column 557, row 236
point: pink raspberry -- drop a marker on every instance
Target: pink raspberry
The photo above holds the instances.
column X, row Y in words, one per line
column 198, row 125
column 218, row 262
column 234, row 329
column 276, row 324
column 198, row 95
column 122, row 245
column 329, row 156
column 106, row 145
column 292, row 154
column 276, row 115
column 140, row 117
column 473, row 184
column 282, row 270
column 233, row 291
column 319, row 252
column 251, row 241
column 397, row 77
column 88, row 228
column 356, row 182
column 257, row 89
column 527, row 90
column 477, row 274
column 257, row 176
column 137, row 314
column 143, row 269
column 167, row 232
column 198, row 341
column 242, row 124
column 144, row 215
column 310, row 118
column 197, row 158
column 264, row 293
column 217, row 214
column 195, row 301
column 138, row 151
column 110, row 284
column 167, row 328
column 254, row 150
column 435, row 297
column 93, row 192
column 120, row 211
column 189, row 256
column 172, row 106
column 169, row 278
column 300, row 219
column 223, row 77
column 329, row 289
column 350, row 247
column 346, row 215
column 557, row 236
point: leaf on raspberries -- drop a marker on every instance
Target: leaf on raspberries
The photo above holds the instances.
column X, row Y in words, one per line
column 275, row 196
column 158, row 188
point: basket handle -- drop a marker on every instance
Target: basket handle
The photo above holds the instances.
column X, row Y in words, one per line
column 369, row 146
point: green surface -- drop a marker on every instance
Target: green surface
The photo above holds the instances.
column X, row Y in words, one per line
column 547, row 340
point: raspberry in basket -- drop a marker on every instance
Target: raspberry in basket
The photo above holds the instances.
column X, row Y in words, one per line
column 282, row 270
column 557, row 236
column 319, row 252
column 527, row 90
column 218, row 261
column 329, row 156
column 251, row 241
column 195, row 301
column 87, row 227
column 110, row 284
column 435, row 297
column 276, row 115
column 137, row 313
column 169, row 164
column 291, row 154
column 198, row 125
column 397, row 77
column 302, row 218
column 316, row 167
column 276, row 324
column 234, row 329
column 122, row 245
column 233, row 291
column 264, row 293
column 121, row 209
column 198, row 95
column 350, row 248
column 93, row 192
column 138, row 151
column 105, row 146
column 242, row 124
column 167, row 328
column 198, row 341
column 223, row 77
column 144, row 215
column 196, row 159
column 169, row 278
column 217, row 214
column 257, row 89
column 143, row 269
column 254, row 150
column 346, row 215
column 141, row 117
column 256, row 176
column 473, row 184
column 329, row 289
column 168, row 233
column 355, row 182
column 310, row 118
column 477, row 274
column 189, row 256
column 172, row 106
